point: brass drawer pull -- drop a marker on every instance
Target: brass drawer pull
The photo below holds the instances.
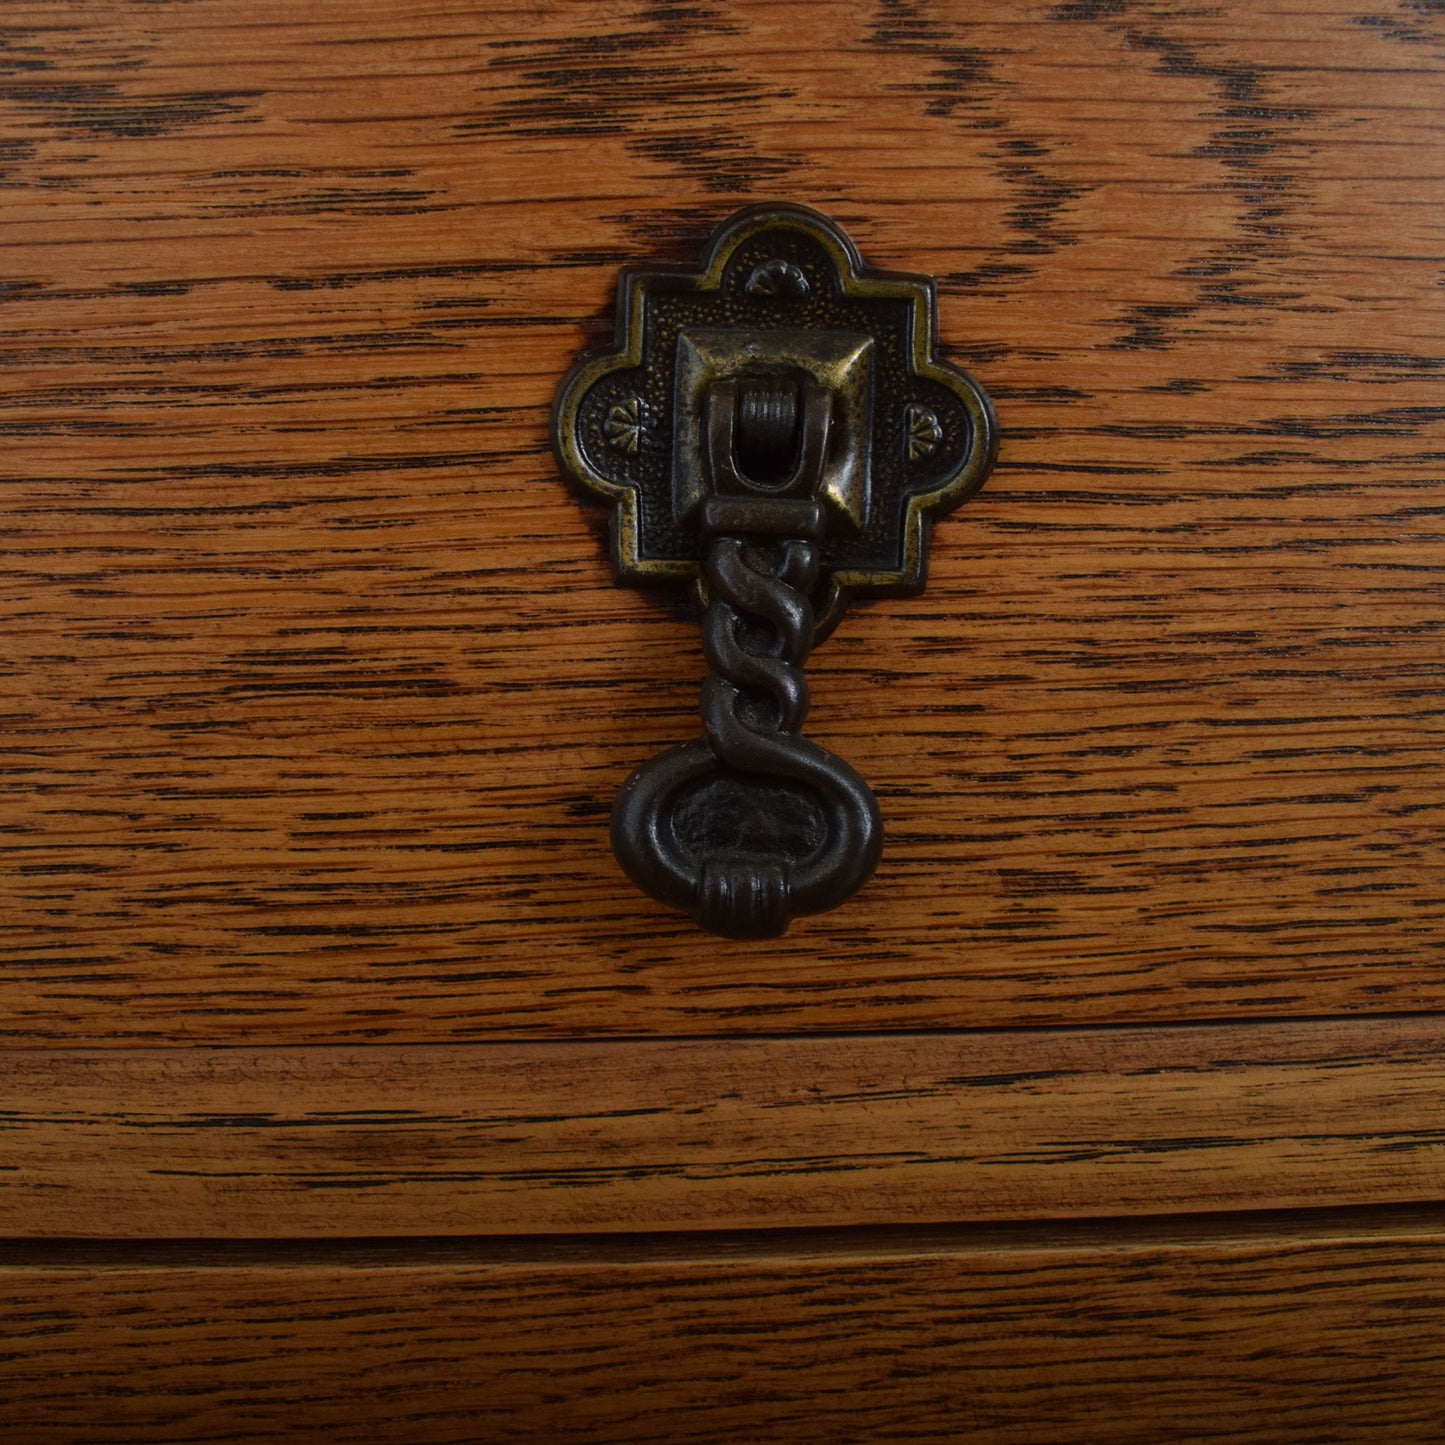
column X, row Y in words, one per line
column 775, row 430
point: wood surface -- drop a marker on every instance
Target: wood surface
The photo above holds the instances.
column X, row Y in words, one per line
column 348, row 1091
column 316, row 694
column 720, row 1134
column 1295, row 1339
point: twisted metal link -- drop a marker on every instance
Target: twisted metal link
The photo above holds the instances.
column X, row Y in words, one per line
column 757, row 632
column 744, row 587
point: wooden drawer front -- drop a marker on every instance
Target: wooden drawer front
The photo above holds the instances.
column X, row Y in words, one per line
column 1301, row 1336
column 348, row 1091
column 320, row 694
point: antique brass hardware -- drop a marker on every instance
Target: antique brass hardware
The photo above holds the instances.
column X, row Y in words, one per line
column 774, row 430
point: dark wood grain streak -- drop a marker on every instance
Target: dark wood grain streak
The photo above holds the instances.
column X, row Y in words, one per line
column 1293, row 1341
column 316, row 694
column 1327, row 1223
column 720, row 1134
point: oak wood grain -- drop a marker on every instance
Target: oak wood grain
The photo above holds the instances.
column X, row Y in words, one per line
column 316, row 694
column 1291, row 1339
column 719, row 1134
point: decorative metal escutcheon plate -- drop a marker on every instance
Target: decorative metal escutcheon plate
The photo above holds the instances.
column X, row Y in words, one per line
column 775, row 431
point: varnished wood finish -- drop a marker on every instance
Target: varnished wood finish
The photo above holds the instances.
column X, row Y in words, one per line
column 317, row 694
column 721, row 1134
column 1292, row 1340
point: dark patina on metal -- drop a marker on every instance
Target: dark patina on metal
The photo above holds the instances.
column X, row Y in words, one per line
column 775, row 431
